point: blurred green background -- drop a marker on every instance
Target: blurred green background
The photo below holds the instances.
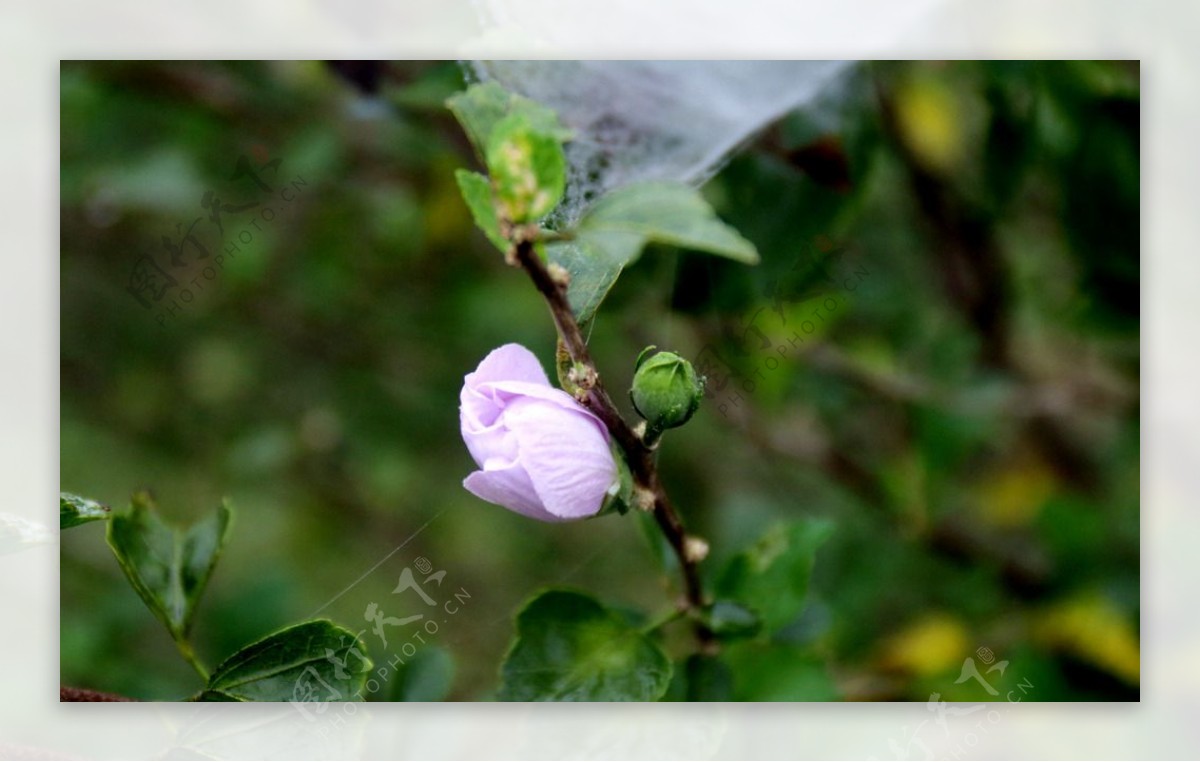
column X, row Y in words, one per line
column 966, row 412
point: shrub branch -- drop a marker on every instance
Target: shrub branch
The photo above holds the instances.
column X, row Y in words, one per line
column 638, row 453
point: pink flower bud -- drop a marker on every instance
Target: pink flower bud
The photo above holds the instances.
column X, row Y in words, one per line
column 540, row 452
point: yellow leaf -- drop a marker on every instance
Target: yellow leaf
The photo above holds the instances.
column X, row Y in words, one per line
column 929, row 122
column 1092, row 628
column 1014, row 496
column 927, row 647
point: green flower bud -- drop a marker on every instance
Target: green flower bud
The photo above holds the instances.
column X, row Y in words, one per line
column 666, row 391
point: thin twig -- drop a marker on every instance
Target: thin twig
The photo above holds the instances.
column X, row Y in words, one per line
column 640, row 456
column 189, row 654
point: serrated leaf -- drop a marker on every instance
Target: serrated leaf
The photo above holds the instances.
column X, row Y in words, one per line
column 427, row 676
column 527, row 167
column 313, row 661
column 167, row 566
column 477, row 193
column 614, row 231
column 74, row 510
column 772, row 576
column 571, row 648
column 480, row 108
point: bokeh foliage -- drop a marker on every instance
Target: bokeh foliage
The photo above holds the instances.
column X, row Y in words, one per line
column 964, row 411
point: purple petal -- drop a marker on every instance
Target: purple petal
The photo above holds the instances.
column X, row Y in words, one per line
column 479, row 405
column 510, row 488
column 491, row 446
column 482, row 419
column 503, row 393
column 482, row 413
column 477, row 409
column 511, row 362
column 566, row 454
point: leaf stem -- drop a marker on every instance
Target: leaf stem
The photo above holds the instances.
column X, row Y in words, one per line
column 638, row 453
column 189, row 655
column 663, row 621
column 553, row 236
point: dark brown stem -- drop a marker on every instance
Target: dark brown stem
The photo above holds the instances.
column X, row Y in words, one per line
column 642, row 464
column 83, row 694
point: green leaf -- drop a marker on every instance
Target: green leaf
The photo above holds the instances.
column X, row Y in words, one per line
column 480, row 108
column 668, row 213
column 772, row 576
column 702, row 678
column 312, row 661
column 778, row 672
column 729, row 620
column 427, row 676
column 74, row 510
column 168, row 567
column 570, row 648
column 477, row 193
column 593, row 269
column 527, row 168
column 615, row 230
